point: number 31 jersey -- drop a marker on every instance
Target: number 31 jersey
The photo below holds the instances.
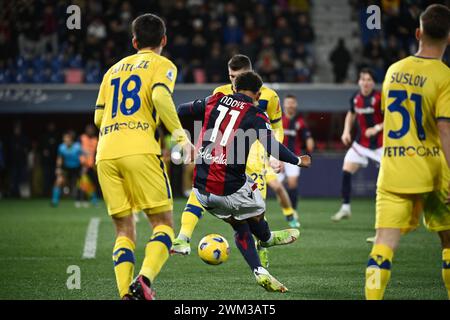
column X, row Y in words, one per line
column 130, row 118
column 416, row 93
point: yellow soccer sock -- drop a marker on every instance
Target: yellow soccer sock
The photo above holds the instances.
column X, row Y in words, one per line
column 288, row 211
column 123, row 258
column 192, row 213
column 446, row 269
column 378, row 271
column 157, row 251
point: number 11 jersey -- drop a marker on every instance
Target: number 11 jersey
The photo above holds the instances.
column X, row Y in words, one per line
column 130, row 119
column 416, row 93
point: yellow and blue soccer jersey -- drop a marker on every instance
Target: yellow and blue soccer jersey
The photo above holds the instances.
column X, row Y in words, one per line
column 257, row 164
column 130, row 117
column 416, row 92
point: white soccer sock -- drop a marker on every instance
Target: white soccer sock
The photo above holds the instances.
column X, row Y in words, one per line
column 346, row 207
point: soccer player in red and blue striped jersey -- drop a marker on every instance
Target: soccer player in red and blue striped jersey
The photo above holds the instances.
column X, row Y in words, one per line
column 232, row 123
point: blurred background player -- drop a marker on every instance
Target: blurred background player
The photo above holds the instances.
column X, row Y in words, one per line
column 68, row 169
column 88, row 180
column 134, row 97
column 415, row 167
column 365, row 111
column 257, row 165
column 223, row 187
column 297, row 137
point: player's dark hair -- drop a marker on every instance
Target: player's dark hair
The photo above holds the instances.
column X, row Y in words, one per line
column 368, row 71
column 290, row 96
column 148, row 29
column 435, row 22
column 239, row 62
column 248, row 80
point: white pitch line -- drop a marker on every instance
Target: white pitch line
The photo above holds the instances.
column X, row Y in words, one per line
column 90, row 243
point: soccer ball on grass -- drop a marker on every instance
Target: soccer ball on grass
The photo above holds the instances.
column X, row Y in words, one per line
column 213, row 249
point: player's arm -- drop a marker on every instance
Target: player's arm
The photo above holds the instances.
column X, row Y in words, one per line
column 377, row 128
column 164, row 83
column 307, row 137
column 275, row 113
column 443, row 124
column 100, row 104
column 192, row 108
column 164, row 105
column 275, row 148
column 348, row 125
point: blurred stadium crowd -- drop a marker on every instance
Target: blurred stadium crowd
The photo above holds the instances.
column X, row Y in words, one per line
column 37, row 47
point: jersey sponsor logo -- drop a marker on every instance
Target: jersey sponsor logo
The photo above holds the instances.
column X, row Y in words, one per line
column 209, row 158
column 289, row 132
column 366, row 110
column 408, row 78
column 411, row 151
column 124, row 125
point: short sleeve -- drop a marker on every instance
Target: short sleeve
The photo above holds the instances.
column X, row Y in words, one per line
column 165, row 75
column 273, row 106
column 443, row 102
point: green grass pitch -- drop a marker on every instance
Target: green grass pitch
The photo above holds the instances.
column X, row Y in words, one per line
column 38, row 243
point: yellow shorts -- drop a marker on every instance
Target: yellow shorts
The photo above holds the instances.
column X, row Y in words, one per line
column 133, row 183
column 403, row 211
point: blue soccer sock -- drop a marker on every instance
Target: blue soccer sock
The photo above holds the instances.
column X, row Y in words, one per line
column 346, row 186
column 246, row 245
column 56, row 195
column 293, row 196
column 260, row 229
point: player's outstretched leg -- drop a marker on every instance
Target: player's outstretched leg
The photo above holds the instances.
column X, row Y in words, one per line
column 192, row 213
column 156, row 255
column 246, row 245
column 123, row 252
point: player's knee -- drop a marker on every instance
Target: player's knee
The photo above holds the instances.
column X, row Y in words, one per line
column 163, row 218
column 125, row 227
column 292, row 183
column 389, row 237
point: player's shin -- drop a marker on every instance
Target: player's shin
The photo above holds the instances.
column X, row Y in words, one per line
column 192, row 213
column 157, row 251
column 260, row 228
column 246, row 245
column 378, row 271
column 123, row 258
column 446, row 269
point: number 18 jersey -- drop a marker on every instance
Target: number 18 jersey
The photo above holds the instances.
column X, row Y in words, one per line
column 130, row 118
column 416, row 93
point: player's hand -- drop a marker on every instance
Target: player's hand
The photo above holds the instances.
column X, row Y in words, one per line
column 188, row 152
column 275, row 164
column 346, row 138
column 306, row 161
column 370, row 132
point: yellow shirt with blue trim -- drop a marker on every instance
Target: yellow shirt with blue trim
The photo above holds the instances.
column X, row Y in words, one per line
column 134, row 97
column 416, row 93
